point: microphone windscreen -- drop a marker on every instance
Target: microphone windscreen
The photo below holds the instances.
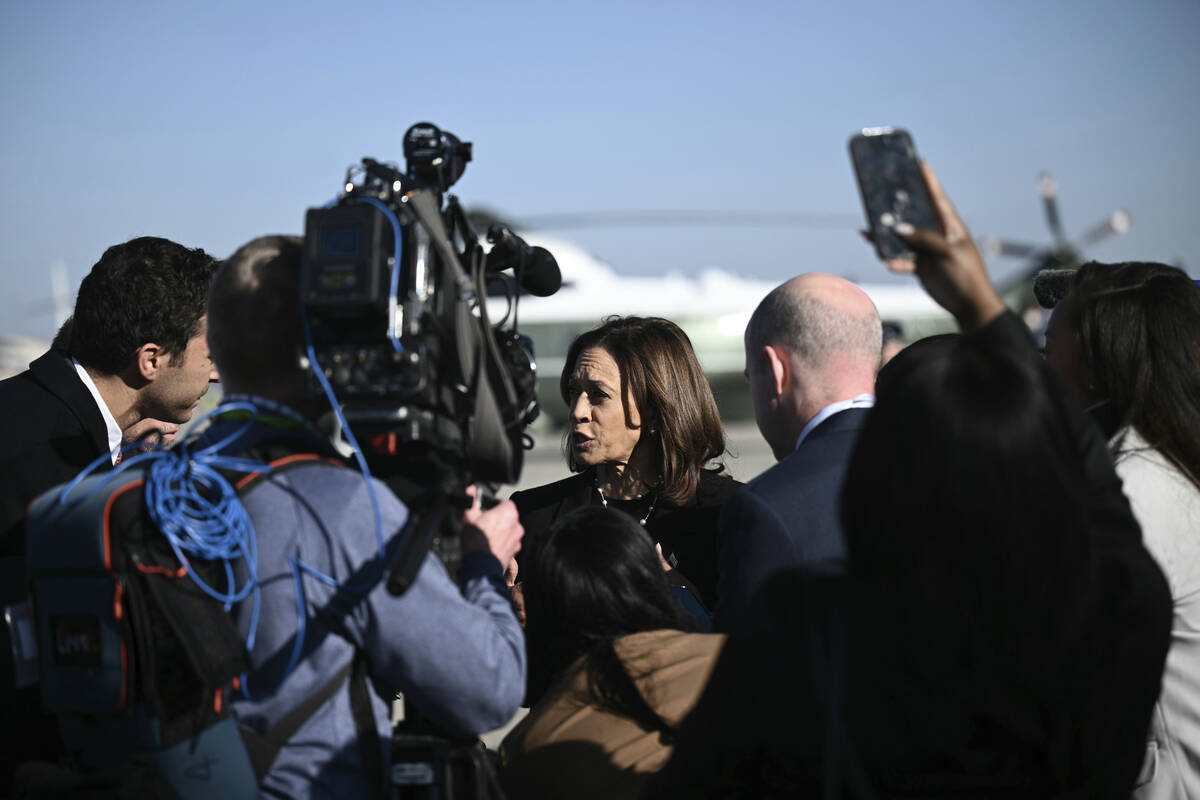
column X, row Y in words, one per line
column 541, row 276
column 1051, row 285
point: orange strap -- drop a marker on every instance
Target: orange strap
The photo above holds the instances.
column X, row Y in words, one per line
column 170, row 573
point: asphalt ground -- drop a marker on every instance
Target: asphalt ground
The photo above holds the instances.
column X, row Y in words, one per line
column 747, row 456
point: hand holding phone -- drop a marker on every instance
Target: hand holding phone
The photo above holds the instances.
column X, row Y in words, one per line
column 892, row 187
column 948, row 263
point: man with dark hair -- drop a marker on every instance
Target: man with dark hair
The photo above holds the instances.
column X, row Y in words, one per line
column 131, row 363
column 456, row 652
column 136, row 364
column 812, row 352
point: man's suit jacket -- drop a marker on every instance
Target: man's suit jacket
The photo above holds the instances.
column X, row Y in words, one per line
column 50, row 429
column 786, row 517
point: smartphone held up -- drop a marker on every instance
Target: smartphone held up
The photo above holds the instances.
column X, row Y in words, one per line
column 892, row 187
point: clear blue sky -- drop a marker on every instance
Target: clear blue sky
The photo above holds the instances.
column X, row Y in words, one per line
column 211, row 123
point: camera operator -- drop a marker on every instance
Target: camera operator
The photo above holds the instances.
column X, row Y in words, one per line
column 457, row 653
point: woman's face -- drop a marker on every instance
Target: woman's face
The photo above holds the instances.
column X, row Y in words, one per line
column 605, row 423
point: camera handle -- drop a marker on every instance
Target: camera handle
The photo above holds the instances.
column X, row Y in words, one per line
column 426, row 521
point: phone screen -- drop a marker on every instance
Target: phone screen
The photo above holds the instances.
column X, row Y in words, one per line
column 892, row 187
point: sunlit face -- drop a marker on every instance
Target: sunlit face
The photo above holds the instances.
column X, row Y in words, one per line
column 1062, row 350
column 178, row 387
column 605, row 423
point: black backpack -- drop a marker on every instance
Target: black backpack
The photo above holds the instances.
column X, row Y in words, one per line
column 137, row 662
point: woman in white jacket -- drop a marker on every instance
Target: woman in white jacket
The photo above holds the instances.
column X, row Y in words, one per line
column 1126, row 340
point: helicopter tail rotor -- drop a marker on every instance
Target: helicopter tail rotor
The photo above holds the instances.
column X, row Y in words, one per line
column 1048, row 189
column 1118, row 222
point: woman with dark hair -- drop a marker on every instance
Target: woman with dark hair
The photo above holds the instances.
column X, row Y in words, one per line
column 1126, row 340
column 1000, row 631
column 612, row 669
column 643, row 431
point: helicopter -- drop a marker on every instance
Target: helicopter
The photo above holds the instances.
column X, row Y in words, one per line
column 714, row 306
column 1061, row 254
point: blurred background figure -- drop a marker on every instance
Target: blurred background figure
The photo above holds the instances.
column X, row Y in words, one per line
column 1126, row 340
column 644, row 438
column 893, row 342
column 612, row 667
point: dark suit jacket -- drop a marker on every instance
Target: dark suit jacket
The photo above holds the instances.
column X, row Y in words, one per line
column 50, row 429
column 786, row 517
column 689, row 533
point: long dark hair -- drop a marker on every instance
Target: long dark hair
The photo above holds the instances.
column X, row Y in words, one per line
column 659, row 367
column 593, row 578
column 1139, row 338
column 966, row 498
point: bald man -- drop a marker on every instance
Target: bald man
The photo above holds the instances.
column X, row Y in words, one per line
column 812, row 352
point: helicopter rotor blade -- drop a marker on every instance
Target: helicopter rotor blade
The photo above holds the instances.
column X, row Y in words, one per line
column 687, row 218
column 1118, row 222
column 994, row 246
column 1048, row 189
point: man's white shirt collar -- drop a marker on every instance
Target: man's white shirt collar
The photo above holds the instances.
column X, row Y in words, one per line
column 114, row 431
column 862, row 401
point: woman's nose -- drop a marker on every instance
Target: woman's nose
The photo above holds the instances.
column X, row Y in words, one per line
column 579, row 409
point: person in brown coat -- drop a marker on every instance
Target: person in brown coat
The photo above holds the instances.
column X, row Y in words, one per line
column 613, row 668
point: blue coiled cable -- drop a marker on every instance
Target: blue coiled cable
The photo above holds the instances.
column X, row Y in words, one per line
column 197, row 509
column 394, row 283
column 199, row 513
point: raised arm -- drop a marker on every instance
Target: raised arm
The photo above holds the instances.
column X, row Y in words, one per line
column 948, row 264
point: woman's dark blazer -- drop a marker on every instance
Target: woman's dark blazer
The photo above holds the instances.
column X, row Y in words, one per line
column 689, row 533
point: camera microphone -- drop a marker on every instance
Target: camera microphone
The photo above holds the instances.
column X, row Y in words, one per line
column 535, row 267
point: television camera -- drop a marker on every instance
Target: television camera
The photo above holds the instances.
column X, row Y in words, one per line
column 393, row 290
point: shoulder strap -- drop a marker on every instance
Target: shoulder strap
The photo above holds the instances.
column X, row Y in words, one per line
column 282, row 464
column 364, row 725
column 264, row 747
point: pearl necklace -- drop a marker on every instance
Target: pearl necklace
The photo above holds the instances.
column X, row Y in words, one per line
column 604, row 502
